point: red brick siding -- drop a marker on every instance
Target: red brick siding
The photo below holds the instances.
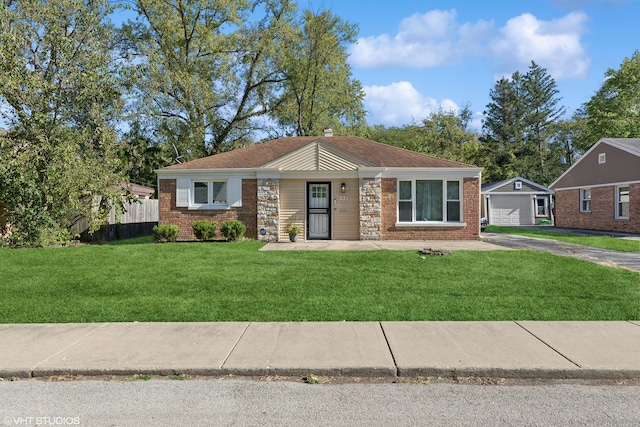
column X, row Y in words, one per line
column 183, row 217
column 471, row 216
column 602, row 215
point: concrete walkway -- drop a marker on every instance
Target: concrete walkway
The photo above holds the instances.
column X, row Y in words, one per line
column 370, row 245
column 557, row 350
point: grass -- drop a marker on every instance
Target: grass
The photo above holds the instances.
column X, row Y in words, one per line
column 603, row 242
column 188, row 282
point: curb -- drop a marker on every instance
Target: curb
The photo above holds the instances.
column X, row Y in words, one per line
column 386, row 373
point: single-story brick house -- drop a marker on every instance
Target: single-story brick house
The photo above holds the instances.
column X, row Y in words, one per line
column 601, row 191
column 516, row 201
column 333, row 187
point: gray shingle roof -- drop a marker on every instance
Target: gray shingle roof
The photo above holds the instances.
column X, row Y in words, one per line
column 629, row 144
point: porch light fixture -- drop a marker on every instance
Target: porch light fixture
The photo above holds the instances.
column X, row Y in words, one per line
column 343, row 188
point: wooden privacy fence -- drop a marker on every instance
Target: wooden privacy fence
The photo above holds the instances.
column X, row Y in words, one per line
column 138, row 219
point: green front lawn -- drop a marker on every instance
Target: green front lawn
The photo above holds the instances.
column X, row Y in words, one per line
column 236, row 282
column 603, row 242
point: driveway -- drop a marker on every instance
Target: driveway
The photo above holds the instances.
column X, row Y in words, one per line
column 628, row 260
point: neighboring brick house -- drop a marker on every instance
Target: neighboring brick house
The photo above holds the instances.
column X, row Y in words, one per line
column 601, row 191
column 341, row 188
column 516, row 201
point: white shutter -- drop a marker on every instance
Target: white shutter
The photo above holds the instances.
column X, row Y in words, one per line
column 183, row 187
column 234, row 192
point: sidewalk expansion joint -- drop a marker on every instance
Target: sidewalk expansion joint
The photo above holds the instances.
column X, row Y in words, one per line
column 78, row 341
column 384, row 334
column 545, row 343
column 224, row 362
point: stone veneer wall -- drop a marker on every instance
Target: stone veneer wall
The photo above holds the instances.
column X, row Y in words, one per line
column 269, row 209
column 471, row 215
column 370, row 208
column 183, row 217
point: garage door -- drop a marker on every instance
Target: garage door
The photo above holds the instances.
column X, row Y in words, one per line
column 510, row 210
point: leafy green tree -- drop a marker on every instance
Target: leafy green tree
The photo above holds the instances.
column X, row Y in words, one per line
column 614, row 111
column 567, row 143
column 61, row 98
column 446, row 134
column 443, row 134
column 319, row 89
column 205, row 70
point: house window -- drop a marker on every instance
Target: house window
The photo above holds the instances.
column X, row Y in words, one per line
column 429, row 201
column 602, row 158
column 209, row 193
column 542, row 206
column 622, row 202
column 518, row 185
column 585, row 200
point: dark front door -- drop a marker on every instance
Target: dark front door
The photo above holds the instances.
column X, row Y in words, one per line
column 318, row 210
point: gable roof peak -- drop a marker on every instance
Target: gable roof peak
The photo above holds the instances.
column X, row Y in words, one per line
column 488, row 187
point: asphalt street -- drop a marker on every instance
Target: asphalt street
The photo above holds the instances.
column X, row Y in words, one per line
column 227, row 402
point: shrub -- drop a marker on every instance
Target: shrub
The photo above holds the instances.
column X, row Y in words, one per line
column 203, row 229
column 232, row 230
column 293, row 229
column 165, row 233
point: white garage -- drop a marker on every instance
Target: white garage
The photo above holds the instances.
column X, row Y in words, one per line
column 511, row 210
column 516, row 201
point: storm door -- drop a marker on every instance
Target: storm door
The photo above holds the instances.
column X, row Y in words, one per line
column 318, row 210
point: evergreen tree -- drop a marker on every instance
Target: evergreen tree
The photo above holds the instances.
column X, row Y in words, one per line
column 518, row 127
column 140, row 156
column 542, row 113
column 503, row 130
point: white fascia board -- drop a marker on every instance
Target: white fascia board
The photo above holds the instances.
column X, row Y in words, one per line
column 184, row 173
column 518, row 193
column 613, row 143
column 514, row 193
column 434, row 173
column 610, row 184
column 370, row 172
column 501, row 184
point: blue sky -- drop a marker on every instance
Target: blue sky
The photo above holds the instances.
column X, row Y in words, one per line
column 413, row 57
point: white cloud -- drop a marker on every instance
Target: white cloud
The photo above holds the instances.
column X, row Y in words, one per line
column 436, row 38
column 423, row 40
column 399, row 103
column 555, row 45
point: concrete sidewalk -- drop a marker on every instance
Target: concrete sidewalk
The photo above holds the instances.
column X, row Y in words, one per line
column 557, row 350
column 371, row 245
